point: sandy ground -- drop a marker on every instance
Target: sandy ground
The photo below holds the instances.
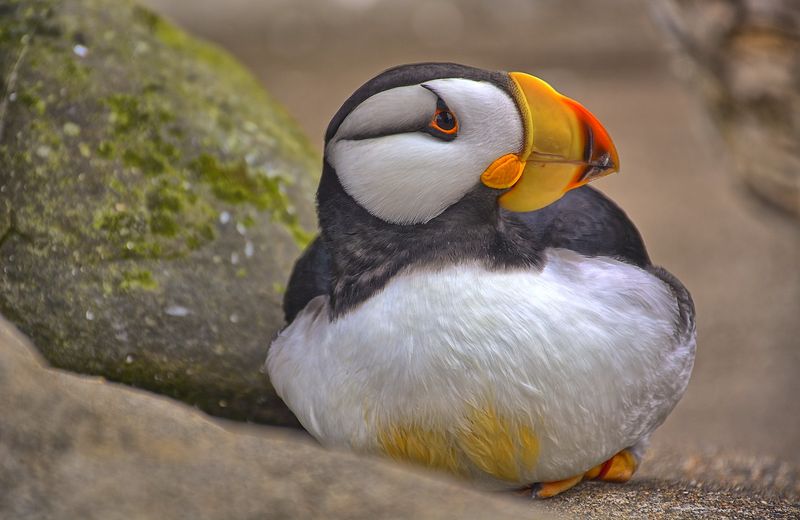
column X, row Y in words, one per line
column 739, row 258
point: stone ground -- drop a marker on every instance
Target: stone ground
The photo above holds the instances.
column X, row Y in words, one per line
column 738, row 257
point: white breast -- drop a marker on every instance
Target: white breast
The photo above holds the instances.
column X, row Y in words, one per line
column 584, row 352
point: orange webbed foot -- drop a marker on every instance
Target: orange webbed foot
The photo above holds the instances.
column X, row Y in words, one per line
column 551, row 489
column 619, row 468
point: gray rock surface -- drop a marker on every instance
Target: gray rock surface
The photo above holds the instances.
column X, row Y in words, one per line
column 721, row 470
column 152, row 201
column 78, row 447
column 656, row 498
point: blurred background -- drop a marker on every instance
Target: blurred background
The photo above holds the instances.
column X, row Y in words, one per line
column 701, row 99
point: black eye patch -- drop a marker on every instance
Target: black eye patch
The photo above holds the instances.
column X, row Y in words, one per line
column 442, row 124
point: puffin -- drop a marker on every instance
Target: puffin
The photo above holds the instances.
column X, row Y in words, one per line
column 469, row 304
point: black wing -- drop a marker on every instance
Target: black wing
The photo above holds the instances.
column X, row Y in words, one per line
column 684, row 321
column 587, row 222
column 311, row 277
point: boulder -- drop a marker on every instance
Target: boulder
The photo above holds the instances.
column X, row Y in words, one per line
column 75, row 446
column 153, row 199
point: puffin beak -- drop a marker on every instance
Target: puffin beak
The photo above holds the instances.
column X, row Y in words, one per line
column 565, row 147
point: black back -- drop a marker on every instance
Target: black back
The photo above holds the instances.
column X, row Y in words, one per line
column 587, row 222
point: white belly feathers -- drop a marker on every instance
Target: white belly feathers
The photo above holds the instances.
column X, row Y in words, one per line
column 555, row 370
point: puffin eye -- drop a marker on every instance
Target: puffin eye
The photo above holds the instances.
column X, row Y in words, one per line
column 444, row 124
column 445, row 121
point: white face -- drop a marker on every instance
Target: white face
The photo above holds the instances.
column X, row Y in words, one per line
column 403, row 174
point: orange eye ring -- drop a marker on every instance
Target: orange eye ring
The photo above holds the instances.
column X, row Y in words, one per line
column 445, row 122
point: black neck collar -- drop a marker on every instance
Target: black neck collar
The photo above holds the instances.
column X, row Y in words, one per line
column 366, row 252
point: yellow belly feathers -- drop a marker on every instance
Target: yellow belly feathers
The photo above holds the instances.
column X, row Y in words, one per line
column 484, row 441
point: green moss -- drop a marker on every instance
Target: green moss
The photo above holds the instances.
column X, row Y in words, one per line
column 171, row 219
column 142, row 249
column 230, row 178
column 141, row 124
column 126, row 113
column 167, row 199
column 235, row 183
column 146, row 161
column 47, row 136
column 28, row 97
column 162, row 223
column 166, row 220
column 138, row 279
column 120, row 224
column 105, row 149
column 248, row 221
column 72, row 72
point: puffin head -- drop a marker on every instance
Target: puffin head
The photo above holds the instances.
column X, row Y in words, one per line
column 415, row 139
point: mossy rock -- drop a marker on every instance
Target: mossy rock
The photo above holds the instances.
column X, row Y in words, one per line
column 152, row 201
